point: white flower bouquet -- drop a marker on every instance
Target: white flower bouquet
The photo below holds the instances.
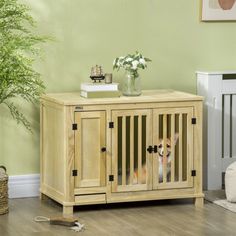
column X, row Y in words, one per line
column 131, row 63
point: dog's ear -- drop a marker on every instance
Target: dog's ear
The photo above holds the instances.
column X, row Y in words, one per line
column 176, row 137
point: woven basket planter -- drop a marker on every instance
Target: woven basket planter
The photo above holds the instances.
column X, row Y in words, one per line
column 3, row 191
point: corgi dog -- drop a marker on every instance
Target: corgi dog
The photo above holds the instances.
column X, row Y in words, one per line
column 161, row 159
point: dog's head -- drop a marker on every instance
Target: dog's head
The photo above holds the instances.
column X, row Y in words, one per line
column 160, row 148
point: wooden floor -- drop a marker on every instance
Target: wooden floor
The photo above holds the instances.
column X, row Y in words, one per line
column 149, row 218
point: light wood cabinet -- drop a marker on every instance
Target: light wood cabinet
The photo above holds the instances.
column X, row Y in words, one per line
column 121, row 149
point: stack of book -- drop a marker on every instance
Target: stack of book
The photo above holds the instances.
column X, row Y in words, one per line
column 99, row 90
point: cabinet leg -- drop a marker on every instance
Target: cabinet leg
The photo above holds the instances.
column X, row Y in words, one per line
column 42, row 196
column 67, row 211
column 199, row 201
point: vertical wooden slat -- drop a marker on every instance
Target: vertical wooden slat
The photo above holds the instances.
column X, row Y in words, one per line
column 155, row 162
column 172, row 147
column 180, row 147
column 185, row 145
column 131, row 149
column 164, row 166
column 115, row 144
column 156, row 157
column 139, row 149
column 124, row 150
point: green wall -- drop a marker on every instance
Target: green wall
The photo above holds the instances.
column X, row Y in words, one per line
column 90, row 32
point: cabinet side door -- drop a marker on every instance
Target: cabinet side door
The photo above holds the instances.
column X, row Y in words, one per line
column 89, row 157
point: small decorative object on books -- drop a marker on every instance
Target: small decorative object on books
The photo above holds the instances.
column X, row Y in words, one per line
column 131, row 63
column 99, row 90
column 108, row 78
column 97, row 73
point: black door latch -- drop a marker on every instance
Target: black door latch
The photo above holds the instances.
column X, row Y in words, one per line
column 151, row 149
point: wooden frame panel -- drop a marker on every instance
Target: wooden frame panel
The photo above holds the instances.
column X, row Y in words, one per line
column 89, row 139
column 52, row 151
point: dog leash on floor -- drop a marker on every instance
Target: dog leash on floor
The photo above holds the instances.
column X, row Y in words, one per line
column 69, row 222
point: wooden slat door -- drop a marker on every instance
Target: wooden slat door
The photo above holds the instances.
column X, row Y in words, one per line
column 173, row 136
column 89, row 158
column 131, row 163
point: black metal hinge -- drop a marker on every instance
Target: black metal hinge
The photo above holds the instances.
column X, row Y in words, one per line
column 111, row 125
column 74, row 173
column 74, row 127
column 193, row 173
column 194, row 121
column 111, row 178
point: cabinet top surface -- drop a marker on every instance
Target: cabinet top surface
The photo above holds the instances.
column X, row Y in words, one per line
column 146, row 97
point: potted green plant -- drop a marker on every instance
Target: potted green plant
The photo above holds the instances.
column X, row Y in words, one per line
column 18, row 51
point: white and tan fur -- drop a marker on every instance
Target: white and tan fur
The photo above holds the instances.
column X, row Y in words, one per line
column 161, row 158
column 168, row 158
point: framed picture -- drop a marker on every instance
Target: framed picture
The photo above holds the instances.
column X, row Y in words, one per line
column 218, row 10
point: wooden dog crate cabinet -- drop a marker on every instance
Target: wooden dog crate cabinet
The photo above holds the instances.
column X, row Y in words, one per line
column 96, row 151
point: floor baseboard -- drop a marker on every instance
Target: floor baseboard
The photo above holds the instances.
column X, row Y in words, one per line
column 22, row 186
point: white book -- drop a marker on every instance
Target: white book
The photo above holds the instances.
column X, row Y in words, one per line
column 100, row 94
column 93, row 87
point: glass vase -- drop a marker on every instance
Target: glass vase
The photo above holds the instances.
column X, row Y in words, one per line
column 131, row 85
